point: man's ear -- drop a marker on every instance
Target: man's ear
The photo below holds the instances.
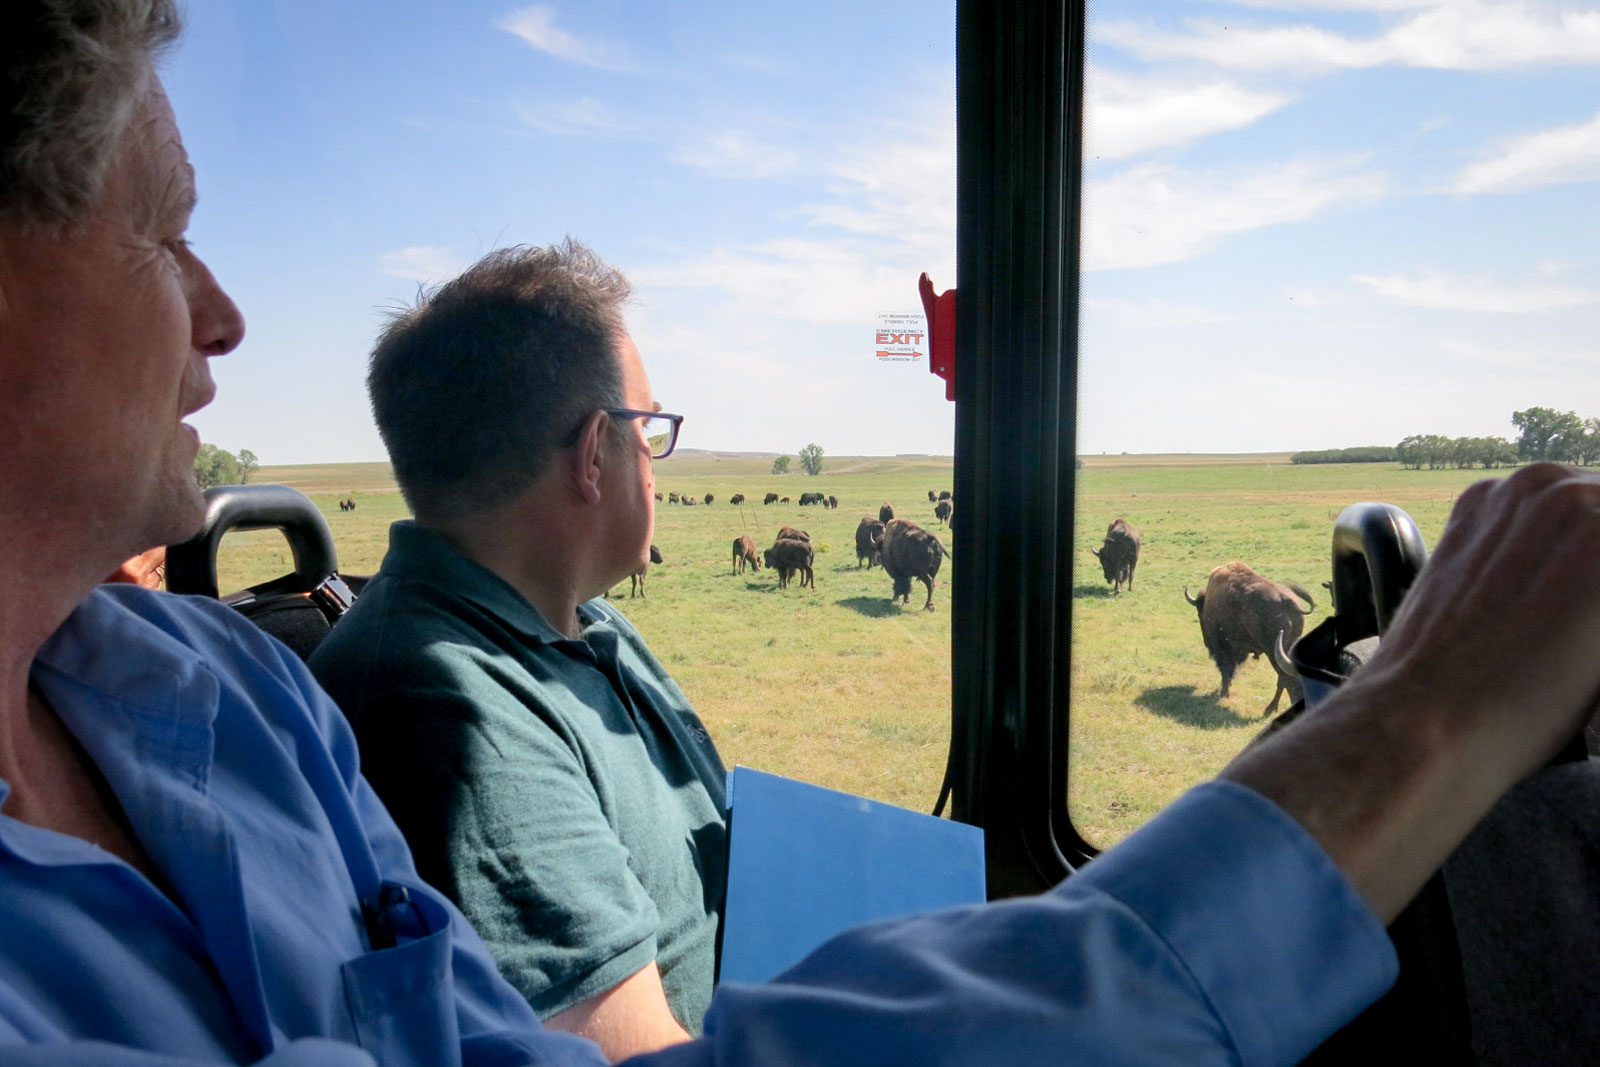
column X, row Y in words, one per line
column 589, row 456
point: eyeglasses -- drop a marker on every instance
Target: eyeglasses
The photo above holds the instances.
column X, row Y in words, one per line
column 660, row 429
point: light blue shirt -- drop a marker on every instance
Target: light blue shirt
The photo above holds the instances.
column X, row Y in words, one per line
column 1218, row 934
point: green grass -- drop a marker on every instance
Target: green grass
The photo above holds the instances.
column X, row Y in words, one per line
column 838, row 686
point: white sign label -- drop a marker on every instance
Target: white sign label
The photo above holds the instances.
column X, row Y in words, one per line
column 902, row 337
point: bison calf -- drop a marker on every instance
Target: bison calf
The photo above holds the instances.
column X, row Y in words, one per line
column 908, row 551
column 636, row 579
column 788, row 556
column 744, row 551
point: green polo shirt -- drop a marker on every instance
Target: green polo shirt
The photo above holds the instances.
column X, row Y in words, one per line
column 562, row 792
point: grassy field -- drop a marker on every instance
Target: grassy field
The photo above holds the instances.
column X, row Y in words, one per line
column 838, row 686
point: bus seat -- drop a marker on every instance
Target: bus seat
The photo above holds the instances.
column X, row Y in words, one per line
column 298, row 608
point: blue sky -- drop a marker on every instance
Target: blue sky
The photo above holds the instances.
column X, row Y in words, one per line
column 1307, row 225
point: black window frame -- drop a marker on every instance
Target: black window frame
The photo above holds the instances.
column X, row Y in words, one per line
column 1019, row 105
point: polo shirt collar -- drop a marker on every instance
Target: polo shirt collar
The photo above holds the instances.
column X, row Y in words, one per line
column 418, row 554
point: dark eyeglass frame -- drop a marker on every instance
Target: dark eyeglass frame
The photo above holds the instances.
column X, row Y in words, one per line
column 676, row 422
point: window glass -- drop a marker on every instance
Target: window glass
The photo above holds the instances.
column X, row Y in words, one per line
column 1309, row 228
column 772, row 181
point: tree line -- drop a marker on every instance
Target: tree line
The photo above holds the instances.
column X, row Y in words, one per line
column 1543, row 434
column 215, row 466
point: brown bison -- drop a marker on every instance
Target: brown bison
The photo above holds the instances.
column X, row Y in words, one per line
column 833, row 501
column 1243, row 614
column 672, row 498
column 868, row 533
column 659, row 498
column 744, row 551
column 941, row 511
column 944, row 494
column 783, row 500
column 1120, row 554
column 788, row 557
column 709, row 498
column 932, row 496
column 636, row 579
column 772, row 498
column 886, row 512
column 908, row 551
column 789, row 533
column 736, row 499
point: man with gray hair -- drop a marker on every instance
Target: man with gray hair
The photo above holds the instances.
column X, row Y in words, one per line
column 548, row 774
column 193, row 871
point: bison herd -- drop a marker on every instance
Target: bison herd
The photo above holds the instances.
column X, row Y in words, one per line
column 1242, row 613
column 907, row 552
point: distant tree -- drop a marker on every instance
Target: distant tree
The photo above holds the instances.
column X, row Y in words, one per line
column 811, row 459
column 780, row 465
column 247, row 465
column 1589, row 448
column 214, row 466
column 1548, row 434
column 1410, row 452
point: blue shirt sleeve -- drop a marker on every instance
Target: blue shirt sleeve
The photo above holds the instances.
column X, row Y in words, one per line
column 1218, row 934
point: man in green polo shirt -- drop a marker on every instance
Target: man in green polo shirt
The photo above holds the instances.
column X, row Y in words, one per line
column 547, row 773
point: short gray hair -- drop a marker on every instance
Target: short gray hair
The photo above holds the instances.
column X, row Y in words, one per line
column 478, row 385
column 69, row 75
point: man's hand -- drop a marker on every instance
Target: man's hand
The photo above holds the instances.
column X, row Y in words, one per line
column 1492, row 663
column 629, row 1018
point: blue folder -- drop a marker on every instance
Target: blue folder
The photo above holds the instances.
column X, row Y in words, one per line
column 805, row 863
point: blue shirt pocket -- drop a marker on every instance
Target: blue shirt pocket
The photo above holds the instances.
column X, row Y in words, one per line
column 401, row 999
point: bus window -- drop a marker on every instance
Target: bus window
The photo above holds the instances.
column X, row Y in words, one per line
column 1328, row 256
column 773, row 186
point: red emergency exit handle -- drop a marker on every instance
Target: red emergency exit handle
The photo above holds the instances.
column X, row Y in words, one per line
column 940, row 311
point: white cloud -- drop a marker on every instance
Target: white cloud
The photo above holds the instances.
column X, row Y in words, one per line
column 1437, row 291
column 1153, row 314
column 888, row 216
column 1468, row 35
column 1549, row 157
column 1126, row 116
column 537, row 26
column 583, row 117
column 1151, row 214
column 423, row 264
column 734, row 155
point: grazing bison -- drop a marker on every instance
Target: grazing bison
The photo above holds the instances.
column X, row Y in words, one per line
column 772, row 498
column 783, row 500
column 636, row 579
column 736, row 499
column 885, row 513
column 908, row 551
column 789, row 533
column 833, row 501
column 807, row 499
column 941, row 511
column 1119, row 555
column 868, row 533
column 709, row 498
column 788, row 557
column 1243, row 614
column 744, row 551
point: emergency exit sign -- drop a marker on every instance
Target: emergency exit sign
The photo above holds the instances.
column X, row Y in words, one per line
column 902, row 337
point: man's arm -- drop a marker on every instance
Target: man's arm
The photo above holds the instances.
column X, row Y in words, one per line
column 629, row 1018
column 1492, row 663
